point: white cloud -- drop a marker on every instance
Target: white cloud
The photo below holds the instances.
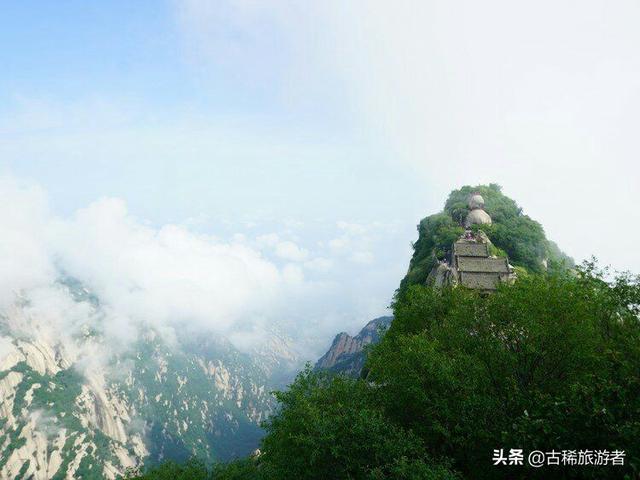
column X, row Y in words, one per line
column 6, row 347
column 357, row 239
column 288, row 250
column 339, row 243
column 25, row 259
column 142, row 274
column 283, row 249
column 363, row 258
column 269, row 239
column 293, row 273
column 541, row 98
column 352, row 228
column 172, row 278
column 167, row 274
column 319, row 264
column 45, row 422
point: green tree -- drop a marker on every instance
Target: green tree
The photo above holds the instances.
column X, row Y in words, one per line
column 436, row 235
column 551, row 362
column 191, row 470
column 330, row 427
column 194, row 469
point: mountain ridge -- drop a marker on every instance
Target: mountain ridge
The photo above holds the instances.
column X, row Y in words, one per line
column 347, row 354
column 68, row 411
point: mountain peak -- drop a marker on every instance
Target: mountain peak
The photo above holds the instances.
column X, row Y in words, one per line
column 346, row 354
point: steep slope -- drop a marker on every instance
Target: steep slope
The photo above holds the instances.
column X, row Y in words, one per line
column 347, row 354
column 70, row 407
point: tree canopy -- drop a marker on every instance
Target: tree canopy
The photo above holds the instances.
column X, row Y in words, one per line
column 551, row 362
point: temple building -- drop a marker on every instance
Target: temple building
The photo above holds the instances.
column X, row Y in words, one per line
column 472, row 266
column 471, row 263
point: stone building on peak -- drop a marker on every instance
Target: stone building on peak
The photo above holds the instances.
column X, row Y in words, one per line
column 471, row 263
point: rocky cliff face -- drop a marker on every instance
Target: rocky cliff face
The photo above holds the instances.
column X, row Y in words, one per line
column 57, row 423
column 347, row 354
column 71, row 408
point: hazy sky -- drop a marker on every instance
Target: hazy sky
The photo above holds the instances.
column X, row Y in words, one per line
column 325, row 129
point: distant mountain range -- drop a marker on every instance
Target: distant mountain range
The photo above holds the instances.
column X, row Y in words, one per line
column 347, row 354
column 60, row 418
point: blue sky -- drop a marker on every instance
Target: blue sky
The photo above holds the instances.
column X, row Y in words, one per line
column 334, row 126
column 120, row 101
column 130, row 71
column 70, row 49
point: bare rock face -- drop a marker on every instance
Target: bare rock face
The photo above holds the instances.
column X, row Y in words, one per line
column 71, row 407
column 477, row 215
column 440, row 275
column 54, row 418
column 343, row 344
column 346, row 354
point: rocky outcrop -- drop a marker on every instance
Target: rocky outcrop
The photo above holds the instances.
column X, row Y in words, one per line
column 57, row 422
column 347, row 354
column 72, row 408
column 441, row 274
